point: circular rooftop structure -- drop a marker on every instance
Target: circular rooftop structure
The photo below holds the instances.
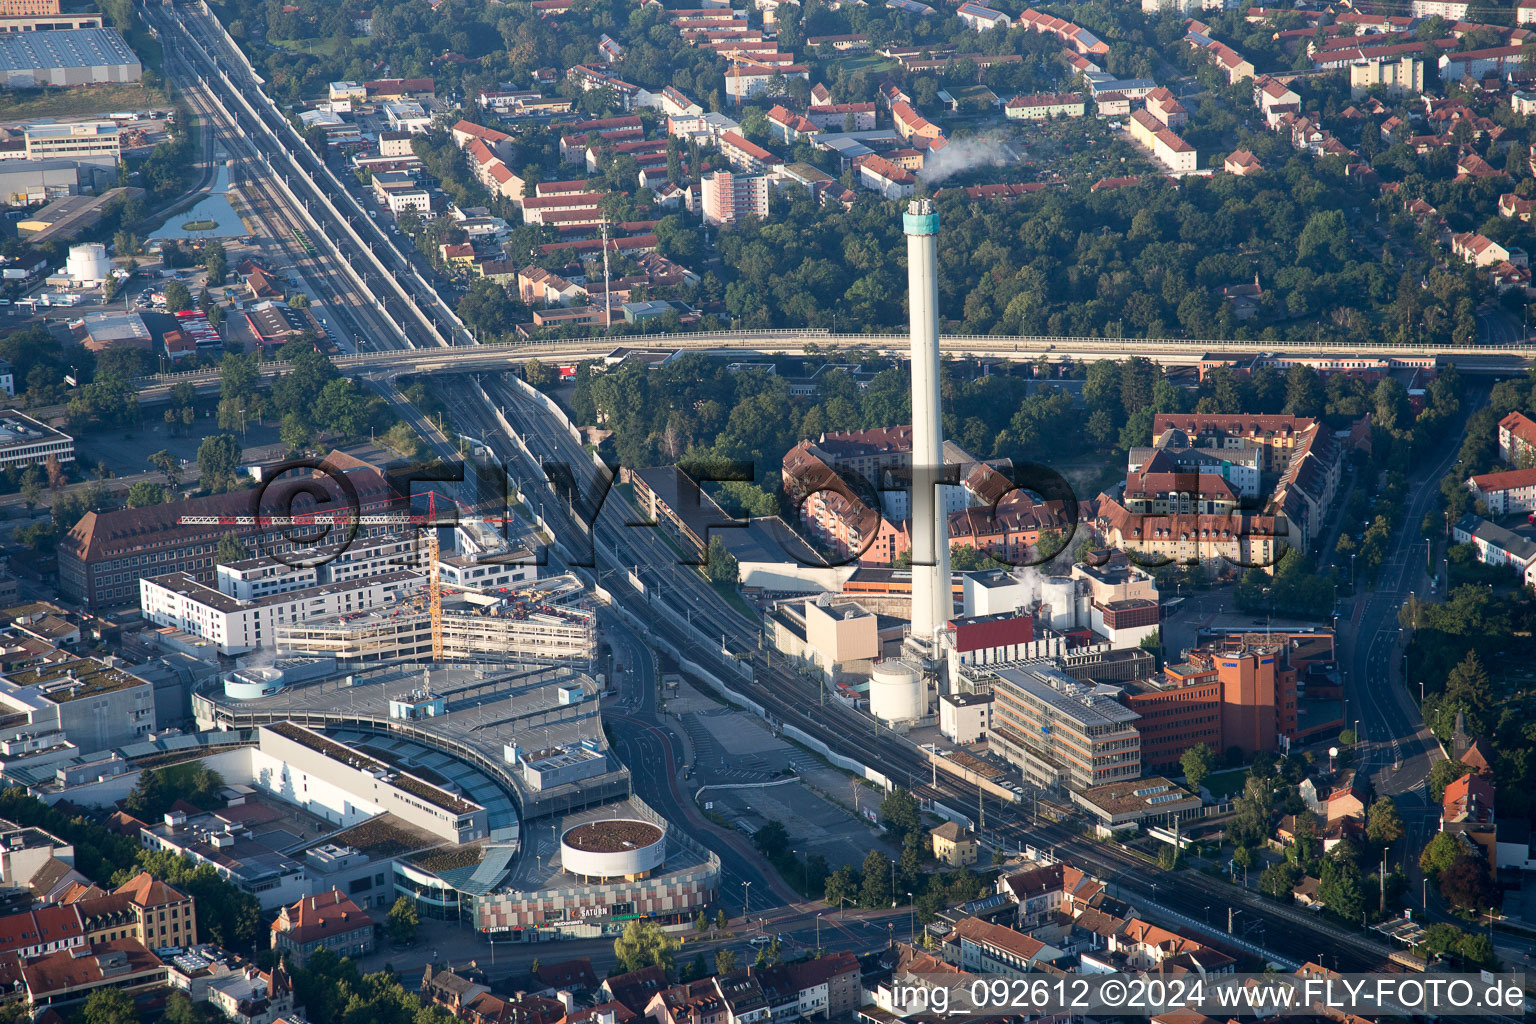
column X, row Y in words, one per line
column 613, row 848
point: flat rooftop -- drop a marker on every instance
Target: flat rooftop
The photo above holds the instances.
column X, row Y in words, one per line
column 610, row 835
column 75, row 679
column 488, row 707
column 539, row 866
column 64, row 48
column 186, row 586
column 1075, row 701
column 357, row 759
column 17, row 428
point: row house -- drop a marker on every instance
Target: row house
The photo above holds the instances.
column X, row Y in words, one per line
column 1043, row 105
column 1351, row 42
column 1304, row 495
column 1011, row 531
column 1080, row 39
column 1165, row 106
column 1517, row 440
column 982, row 18
column 747, row 157
column 1371, row 24
column 704, row 129
column 537, row 208
column 627, row 94
column 1276, row 437
column 745, row 82
column 491, row 172
column 1153, row 489
column 1227, row 59
column 610, row 130
column 981, row 947
column 841, row 44
column 790, row 127
column 675, row 104
column 1497, row 546
column 912, row 125
column 839, row 117
column 1505, row 492
column 644, row 151
column 880, row 175
column 1342, row 58
column 1239, row 539
column 496, row 141
column 1478, row 64
column 763, row 53
column 1178, row 156
column 571, row 187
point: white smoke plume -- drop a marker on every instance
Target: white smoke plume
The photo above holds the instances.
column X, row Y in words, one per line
column 966, row 154
column 1030, row 576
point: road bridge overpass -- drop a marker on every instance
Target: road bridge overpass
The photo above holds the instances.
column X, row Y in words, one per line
column 1477, row 359
column 1490, row 359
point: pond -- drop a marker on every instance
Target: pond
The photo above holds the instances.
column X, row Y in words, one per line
column 212, row 217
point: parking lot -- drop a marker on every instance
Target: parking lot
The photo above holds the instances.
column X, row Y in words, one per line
column 745, row 776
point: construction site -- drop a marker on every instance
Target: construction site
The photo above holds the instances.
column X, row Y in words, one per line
column 538, row 622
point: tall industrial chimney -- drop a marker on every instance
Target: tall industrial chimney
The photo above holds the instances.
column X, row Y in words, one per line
column 932, row 597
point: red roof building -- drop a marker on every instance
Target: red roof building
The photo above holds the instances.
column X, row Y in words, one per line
column 328, row 921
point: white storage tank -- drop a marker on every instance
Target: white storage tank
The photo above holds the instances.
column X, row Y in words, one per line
column 88, row 263
column 897, row 692
column 1058, row 602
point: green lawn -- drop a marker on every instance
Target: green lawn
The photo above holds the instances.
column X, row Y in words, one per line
column 80, row 102
column 1226, row 783
column 314, row 47
column 868, row 61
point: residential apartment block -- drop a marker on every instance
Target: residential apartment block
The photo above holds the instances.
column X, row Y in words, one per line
column 1503, row 493
column 727, row 197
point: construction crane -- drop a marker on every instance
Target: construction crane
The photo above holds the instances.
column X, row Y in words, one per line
column 429, row 521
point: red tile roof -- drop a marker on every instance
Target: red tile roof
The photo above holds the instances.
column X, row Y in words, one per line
column 36, row 927
column 311, row 918
column 1506, row 481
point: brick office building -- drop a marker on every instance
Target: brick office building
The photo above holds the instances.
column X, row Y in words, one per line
column 103, row 556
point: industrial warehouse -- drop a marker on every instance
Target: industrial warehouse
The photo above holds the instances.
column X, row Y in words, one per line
column 83, row 56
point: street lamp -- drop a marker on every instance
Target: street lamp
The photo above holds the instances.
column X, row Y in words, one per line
column 1333, row 752
column 746, row 896
column 911, row 919
column 818, row 934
